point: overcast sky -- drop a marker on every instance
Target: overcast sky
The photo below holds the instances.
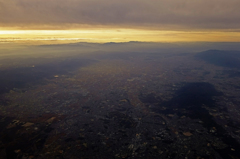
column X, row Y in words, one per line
column 165, row 14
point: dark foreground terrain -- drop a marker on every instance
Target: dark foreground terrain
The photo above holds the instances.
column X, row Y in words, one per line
column 122, row 105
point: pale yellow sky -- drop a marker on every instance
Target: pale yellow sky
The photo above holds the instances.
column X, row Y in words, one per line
column 115, row 35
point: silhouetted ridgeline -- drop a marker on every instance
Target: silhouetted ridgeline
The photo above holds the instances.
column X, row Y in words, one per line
column 222, row 58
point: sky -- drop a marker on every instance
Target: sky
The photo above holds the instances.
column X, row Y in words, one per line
column 125, row 20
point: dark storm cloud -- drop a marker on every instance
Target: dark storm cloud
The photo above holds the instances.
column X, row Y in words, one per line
column 172, row 13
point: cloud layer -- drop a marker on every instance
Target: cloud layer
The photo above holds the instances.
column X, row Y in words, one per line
column 180, row 14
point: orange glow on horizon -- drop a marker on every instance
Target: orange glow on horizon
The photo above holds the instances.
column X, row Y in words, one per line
column 116, row 35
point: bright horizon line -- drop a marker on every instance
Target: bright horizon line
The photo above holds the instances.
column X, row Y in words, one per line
column 118, row 35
